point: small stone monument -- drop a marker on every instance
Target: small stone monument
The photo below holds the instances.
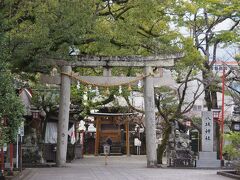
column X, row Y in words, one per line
column 207, row 157
column 106, row 150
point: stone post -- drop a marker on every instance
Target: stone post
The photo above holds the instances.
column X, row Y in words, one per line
column 63, row 117
column 150, row 119
column 207, row 157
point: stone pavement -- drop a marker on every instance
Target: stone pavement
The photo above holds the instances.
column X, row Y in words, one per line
column 118, row 168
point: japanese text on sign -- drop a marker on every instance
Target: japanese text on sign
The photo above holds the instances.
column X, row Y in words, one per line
column 207, row 131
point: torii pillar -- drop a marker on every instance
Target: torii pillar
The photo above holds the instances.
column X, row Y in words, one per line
column 150, row 121
column 63, row 116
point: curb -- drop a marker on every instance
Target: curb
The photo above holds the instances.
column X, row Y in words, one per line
column 24, row 175
column 228, row 174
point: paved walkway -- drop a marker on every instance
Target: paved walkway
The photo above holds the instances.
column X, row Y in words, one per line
column 118, row 168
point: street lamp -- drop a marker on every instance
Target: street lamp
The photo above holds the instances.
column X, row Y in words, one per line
column 216, row 113
column 35, row 113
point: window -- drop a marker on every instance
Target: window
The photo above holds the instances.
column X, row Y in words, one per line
column 194, row 108
column 199, row 108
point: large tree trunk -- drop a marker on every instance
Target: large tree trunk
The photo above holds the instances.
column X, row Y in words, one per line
column 161, row 147
column 214, row 99
column 207, row 92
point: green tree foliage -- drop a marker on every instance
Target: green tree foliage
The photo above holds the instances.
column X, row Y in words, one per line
column 11, row 108
column 38, row 30
column 131, row 27
column 232, row 149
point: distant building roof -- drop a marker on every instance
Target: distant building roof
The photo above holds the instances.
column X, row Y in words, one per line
column 235, row 63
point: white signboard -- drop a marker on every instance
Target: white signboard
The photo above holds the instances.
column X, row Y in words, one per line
column 137, row 142
column 207, row 131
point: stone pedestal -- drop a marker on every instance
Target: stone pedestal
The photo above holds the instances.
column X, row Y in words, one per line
column 208, row 160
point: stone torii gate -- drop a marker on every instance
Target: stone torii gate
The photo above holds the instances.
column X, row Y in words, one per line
column 107, row 62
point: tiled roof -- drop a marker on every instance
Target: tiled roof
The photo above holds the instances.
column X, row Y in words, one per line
column 226, row 62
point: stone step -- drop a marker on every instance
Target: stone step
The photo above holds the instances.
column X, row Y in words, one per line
column 208, row 163
column 207, row 155
column 208, row 160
